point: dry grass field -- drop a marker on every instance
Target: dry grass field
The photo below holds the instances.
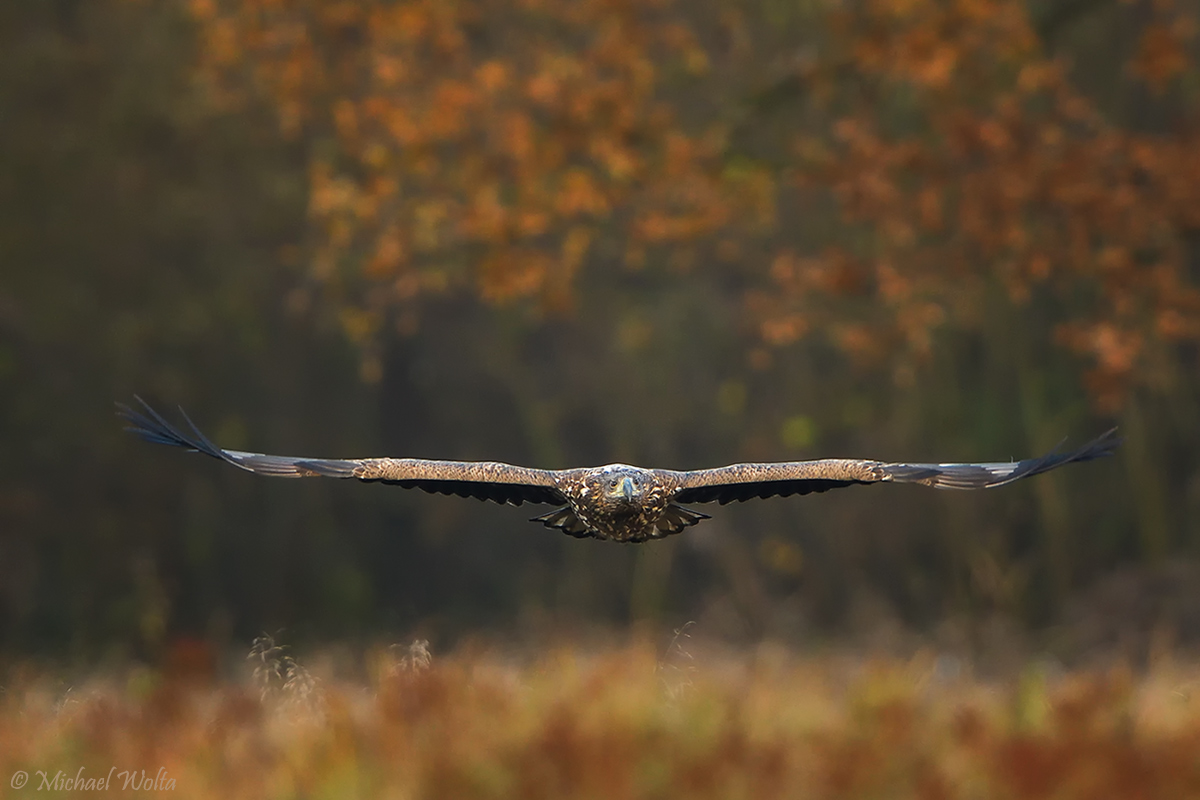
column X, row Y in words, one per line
column 623, row 723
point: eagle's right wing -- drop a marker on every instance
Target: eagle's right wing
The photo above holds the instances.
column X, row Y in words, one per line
column 747, row 481
column 485, row 480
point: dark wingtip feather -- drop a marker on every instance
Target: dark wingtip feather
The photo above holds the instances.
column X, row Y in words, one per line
column 153, row 427
column 1102, row 446
column 980, row 476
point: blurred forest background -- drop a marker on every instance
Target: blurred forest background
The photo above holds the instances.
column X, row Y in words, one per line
column 571, row 232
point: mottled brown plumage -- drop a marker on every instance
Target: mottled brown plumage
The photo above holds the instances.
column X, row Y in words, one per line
column 617, row 501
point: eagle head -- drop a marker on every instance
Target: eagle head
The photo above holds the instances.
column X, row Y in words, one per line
column 618, row 488
column 623, row 488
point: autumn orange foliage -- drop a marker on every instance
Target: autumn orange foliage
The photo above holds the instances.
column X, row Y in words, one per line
column 489, row 141
column 617, row 724
column 506, row 144
column 1008, row 172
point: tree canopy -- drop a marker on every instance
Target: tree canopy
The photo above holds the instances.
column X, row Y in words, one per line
column 946, row 147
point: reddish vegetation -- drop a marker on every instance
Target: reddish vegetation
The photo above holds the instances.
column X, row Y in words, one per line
column 620, row 725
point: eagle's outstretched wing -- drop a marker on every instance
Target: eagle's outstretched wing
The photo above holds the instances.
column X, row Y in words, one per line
column 747, row 481
column 485, row 480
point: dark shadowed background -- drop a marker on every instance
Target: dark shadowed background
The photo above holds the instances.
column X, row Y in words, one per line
column 577, row 232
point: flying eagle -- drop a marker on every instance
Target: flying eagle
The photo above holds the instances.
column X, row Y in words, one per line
column 617, row 501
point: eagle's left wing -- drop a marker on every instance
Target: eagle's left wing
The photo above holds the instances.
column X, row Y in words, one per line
column 485, row 480
column 747, row 481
